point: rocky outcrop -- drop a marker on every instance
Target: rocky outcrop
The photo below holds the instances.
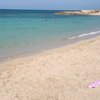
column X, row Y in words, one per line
column 81, row 12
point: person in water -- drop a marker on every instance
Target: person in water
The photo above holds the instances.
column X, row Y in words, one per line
column 46, row 20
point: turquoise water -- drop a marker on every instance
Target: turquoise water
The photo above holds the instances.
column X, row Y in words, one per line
column 24, row 32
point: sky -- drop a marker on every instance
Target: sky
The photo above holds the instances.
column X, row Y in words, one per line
column 50, row 4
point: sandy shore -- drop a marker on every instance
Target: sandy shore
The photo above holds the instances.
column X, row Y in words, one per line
column 58, row 74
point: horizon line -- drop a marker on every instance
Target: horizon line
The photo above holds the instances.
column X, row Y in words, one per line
column 42, row 9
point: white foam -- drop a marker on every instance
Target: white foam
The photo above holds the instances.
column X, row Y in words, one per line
column 86, row 34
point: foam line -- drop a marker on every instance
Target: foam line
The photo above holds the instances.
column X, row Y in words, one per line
column 86, row 34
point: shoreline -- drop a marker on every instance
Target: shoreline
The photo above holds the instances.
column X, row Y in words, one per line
column 72, row 41
column 61, row 73
column 33, row 55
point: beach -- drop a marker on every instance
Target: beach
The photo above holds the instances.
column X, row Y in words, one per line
column 59, row 74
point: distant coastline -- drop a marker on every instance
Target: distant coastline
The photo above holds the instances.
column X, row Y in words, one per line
column 80, row 12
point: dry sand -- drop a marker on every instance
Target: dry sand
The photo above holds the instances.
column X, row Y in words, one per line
column 59, row 74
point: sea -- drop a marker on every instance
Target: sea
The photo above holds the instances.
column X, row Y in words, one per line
column 24, row 32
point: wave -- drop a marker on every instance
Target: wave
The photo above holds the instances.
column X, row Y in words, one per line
column 86, row 34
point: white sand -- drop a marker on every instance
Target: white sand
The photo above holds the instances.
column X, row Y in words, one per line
column 59, row 74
